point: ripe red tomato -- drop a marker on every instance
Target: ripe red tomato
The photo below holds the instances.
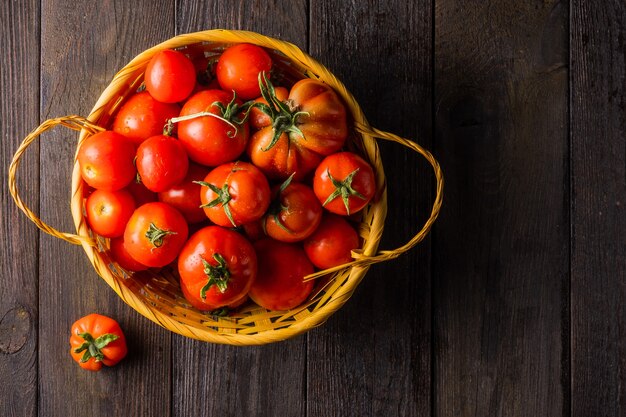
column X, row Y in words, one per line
column 122, row 257
column 185, row 196
column 170, row 76
column 234, row 194
column 142, row 117
column 294, row 212
column 211, row 140
column 109, row 211
column 155, row 234
column 332, row 243
column 279, row 285
column 217, row 267
column 298, row 132
column 96, row 340
column 161, row 162
column 238, row 69
column 106, row 161
column 344, row 183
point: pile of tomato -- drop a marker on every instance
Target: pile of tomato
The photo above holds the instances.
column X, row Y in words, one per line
column 243, row 185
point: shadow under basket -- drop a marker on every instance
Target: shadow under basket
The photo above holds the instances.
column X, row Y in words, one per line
column 156, row 293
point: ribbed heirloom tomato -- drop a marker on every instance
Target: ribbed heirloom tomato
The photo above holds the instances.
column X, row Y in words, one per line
column 217, row 266
column 211, row 127
column 234, row 194
column 344, row 183
column 299, row 131
column 238, row 69
column 142, row 117
column 96, row 340
column 106, row 161
column 155, row 234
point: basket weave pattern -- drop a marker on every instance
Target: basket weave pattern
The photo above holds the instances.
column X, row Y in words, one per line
column 156, row 293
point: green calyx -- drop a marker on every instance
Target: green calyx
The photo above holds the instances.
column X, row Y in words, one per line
column 156, row 235
column 223, row 198
column 218, row 275
column 343, row 189
column 283, row 115
column 276, row 206
column 93, row 347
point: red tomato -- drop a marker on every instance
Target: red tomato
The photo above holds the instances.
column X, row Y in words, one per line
column 213, row 140
column 217, row 266
column 185, row 196
column 142, row 117
column 298, row 132
column 155, row 234
column 122, row 257
column 140, row 193
column 234, row 194
column 97, row 340
column 344, row 183
column 109, row 211
column 279, row 284
column 161, row 162
column 106, row 161
column 170, row 76
column 254, row 231
column 238, row 69
column 332, row 243
column 294, row 213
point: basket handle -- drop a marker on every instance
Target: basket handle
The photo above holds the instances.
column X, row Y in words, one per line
column 361, row 260
column 74, row 122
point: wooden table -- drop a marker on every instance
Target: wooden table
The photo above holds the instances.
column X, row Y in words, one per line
column 514, row 306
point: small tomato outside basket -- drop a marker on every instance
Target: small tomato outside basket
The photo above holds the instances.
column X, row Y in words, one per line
column 156, row 293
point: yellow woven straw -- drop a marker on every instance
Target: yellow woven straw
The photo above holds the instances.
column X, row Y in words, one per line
column 156, row 293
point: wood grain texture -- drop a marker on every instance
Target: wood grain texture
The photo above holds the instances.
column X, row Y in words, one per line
column 501, row 258
column 598, row 171
column 220, row 380
column 372, row 358
column 19, row 111
column 83, row 45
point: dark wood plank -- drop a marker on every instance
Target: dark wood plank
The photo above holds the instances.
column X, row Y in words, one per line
column 226, row 380
column 502, row 244
column 84, row 44
column 372, row 358
column 19, row 112
column 598, row 172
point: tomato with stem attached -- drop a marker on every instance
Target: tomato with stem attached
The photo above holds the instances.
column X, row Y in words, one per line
column 234, row 194
column 170, row 76
column 106, row 161
column 97, row 340
column 155, row 234
column 109, row 211
column 332, row 243
column 344, row 183
column 217, row 266
column 238, row 69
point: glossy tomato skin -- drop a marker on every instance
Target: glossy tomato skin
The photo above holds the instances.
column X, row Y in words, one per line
column 142, row 117
column 248, row 194
column 185, row 196
column 238, row 69
column 282, row 266
column 109, row 211
column 208, row 140
column 332, row 243
column 122, row 257
column 106, row 161
column 92, row 327
column 162, row 162
column 239, row 258
column 294, row 213
column 339, row 166
column 170, row 76
column 323, row 126
column 155, row 234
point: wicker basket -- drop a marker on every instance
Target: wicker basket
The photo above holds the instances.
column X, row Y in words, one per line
column 156, row 293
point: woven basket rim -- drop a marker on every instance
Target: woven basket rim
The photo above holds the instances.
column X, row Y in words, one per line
column 120, row 81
